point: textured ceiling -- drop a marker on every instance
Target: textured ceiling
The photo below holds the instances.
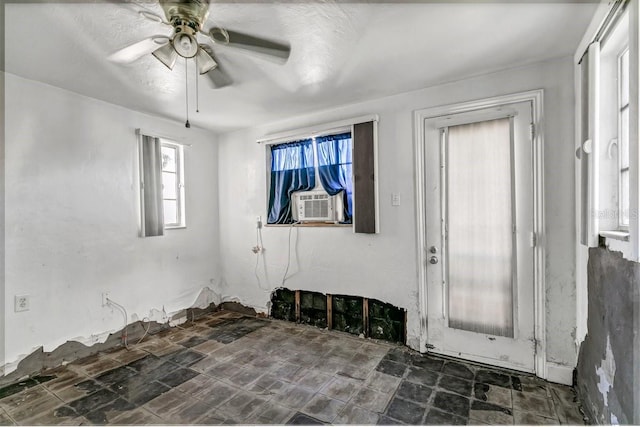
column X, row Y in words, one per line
column 342, row 52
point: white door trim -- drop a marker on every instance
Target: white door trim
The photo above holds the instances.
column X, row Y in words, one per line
column 419, row 116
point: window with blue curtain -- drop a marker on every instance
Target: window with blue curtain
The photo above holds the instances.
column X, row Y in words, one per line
column 292, row 170
column 335, row 168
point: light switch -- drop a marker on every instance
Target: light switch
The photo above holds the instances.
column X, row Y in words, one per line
column 395, row 199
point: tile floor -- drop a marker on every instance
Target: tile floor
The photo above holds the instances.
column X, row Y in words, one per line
column 226, row 368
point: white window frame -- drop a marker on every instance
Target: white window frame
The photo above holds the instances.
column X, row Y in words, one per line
column 621, row 169
column 624, row 239
column 609, row 143
column 180, row 191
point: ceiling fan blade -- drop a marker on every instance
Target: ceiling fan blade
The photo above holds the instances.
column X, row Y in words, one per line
column 153, row 17
column 219, row 78
column 140, row 9
column 138, row 50
column 251, row 43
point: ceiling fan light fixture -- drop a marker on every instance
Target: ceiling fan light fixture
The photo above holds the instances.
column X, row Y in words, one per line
column 205, row 62
column 167, row 55
column 219, row 35
column 185, row 44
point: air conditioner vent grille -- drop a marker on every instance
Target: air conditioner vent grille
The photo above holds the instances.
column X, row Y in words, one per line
column 316, row 208
column 314, row 197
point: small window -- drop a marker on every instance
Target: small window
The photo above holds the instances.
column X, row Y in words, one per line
column 316, row 165
column 162, row 198
column 172, row 187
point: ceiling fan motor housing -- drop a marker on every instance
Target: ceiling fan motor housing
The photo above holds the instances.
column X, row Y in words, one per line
column 187, row 18
column 186, row 12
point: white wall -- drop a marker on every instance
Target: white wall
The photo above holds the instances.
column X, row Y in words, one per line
column 72, row 219
column 334, row 260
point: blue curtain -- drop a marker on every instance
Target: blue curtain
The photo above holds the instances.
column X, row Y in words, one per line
column 335, row 167
column 291, row 170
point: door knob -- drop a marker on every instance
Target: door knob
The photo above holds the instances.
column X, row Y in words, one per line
column 433, row 260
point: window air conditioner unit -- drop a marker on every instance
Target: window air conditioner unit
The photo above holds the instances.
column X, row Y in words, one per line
column 317, row 206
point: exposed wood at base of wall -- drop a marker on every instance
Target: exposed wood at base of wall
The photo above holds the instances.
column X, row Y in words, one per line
column 365, row 314
column 356, row 315
column 329, row 311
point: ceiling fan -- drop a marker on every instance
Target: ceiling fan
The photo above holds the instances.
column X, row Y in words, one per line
column 187, row 18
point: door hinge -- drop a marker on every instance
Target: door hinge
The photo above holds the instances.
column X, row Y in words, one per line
column 532, row 130
column 534, row 239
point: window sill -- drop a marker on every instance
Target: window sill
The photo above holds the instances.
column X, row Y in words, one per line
column 175, row 227
column 310, row 224
column 617, row 235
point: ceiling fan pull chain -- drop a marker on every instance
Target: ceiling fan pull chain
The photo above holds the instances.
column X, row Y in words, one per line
column 197, row 90
column 186, row 91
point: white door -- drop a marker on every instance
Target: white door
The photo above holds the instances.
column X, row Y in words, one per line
column 479, row 236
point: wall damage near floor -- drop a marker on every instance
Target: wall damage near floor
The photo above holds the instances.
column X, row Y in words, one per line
column 40, row 360
column 605, row 372
column 356, row 315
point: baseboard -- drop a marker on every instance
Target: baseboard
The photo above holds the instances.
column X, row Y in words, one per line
column 561, row 374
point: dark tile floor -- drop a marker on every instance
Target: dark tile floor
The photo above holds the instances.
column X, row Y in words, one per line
column 230, row 369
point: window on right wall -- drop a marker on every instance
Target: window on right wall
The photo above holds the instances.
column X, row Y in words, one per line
column 613, row 173
column 623, row 139
column 604, row 133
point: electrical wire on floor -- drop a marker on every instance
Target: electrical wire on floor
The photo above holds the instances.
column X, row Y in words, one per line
column 146, row 331
column 286, row 270
column 193, row 319
column 124, row 332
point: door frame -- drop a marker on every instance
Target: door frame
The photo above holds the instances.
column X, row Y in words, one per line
column 419, row 117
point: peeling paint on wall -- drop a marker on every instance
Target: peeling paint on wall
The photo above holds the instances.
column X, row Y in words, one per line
column 606, row 371
column 206, row 297
column 606, row 364
column 43, row 357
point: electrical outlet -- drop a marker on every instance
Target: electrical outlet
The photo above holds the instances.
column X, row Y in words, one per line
column 105, row 297
column 21, row 303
